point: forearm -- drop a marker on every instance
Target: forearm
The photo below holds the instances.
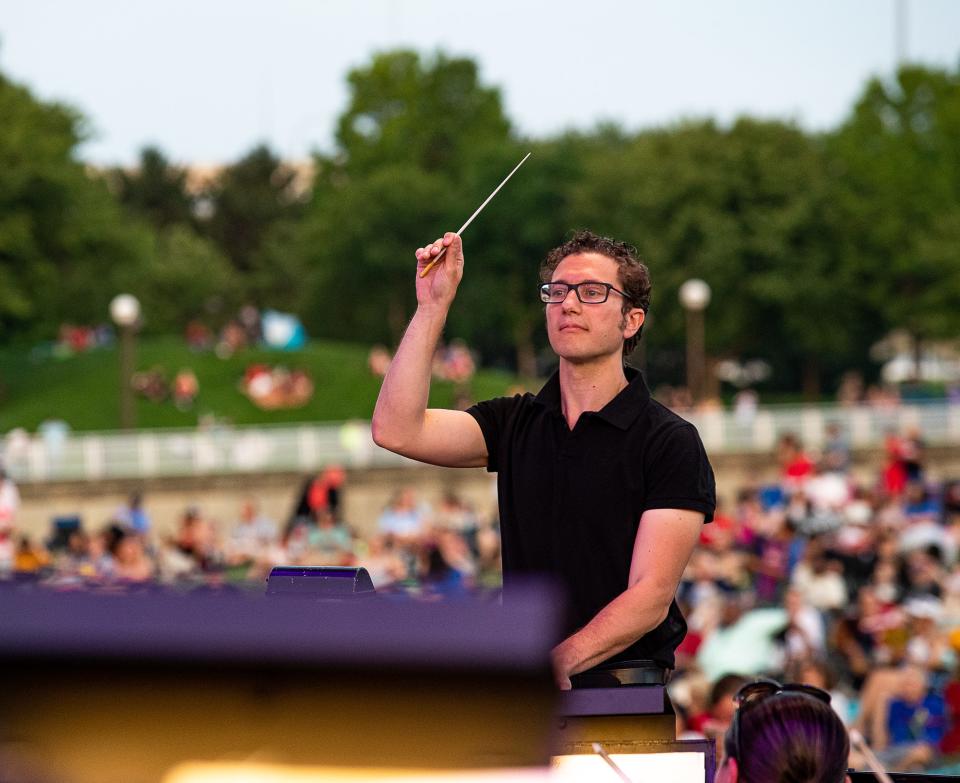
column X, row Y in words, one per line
column 633, row 613
column 399, row 413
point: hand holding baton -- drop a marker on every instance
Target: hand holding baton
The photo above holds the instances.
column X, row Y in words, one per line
column 463, row 228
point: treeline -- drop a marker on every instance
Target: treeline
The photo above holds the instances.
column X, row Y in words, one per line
column 815, row 245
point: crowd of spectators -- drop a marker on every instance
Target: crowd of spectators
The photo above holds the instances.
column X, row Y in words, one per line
column 852, row 587
column 444, row 546
column 815, row 577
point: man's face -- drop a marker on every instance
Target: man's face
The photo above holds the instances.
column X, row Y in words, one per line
column 581, row 332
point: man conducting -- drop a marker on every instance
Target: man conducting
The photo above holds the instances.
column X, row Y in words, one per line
column 600, row 486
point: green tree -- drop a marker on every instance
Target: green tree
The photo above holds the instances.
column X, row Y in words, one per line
column 359, row 247
column 747, row 210
column 403, row 172
column 254, row 196
column 155, row 190
column 185, row 277
column 897, row 165
column 65, row 249
column 431, row 113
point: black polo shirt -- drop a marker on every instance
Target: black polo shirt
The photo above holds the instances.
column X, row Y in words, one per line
column 571, row 500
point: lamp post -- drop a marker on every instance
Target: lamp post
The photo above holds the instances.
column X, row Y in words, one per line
column 125, row 312
column 695, row 296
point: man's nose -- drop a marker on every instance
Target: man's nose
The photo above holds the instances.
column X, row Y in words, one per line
column 571, row 301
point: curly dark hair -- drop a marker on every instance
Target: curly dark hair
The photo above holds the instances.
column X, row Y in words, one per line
column 634, row 275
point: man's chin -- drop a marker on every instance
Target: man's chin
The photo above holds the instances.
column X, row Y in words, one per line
column 570, row 347
column 579, row 358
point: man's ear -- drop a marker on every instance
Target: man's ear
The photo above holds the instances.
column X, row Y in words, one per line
column 634, row 320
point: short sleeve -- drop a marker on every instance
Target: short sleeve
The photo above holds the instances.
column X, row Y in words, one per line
column 493, row 417
column 678, row 473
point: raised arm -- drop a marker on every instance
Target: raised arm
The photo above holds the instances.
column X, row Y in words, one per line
column 401, row 421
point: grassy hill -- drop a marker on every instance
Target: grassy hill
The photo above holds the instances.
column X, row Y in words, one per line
column 83, row 389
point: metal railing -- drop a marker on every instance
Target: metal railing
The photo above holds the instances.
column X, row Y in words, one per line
column 302, row 448
column 862, row 427
column 97, row 456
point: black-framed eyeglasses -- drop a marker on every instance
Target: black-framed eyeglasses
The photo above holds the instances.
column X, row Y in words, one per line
column 752, row 694
column 588, row 292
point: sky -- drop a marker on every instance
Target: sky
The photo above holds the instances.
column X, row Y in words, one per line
column 206, row 80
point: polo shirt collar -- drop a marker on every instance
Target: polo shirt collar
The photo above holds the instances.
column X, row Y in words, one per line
column 621, row 411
